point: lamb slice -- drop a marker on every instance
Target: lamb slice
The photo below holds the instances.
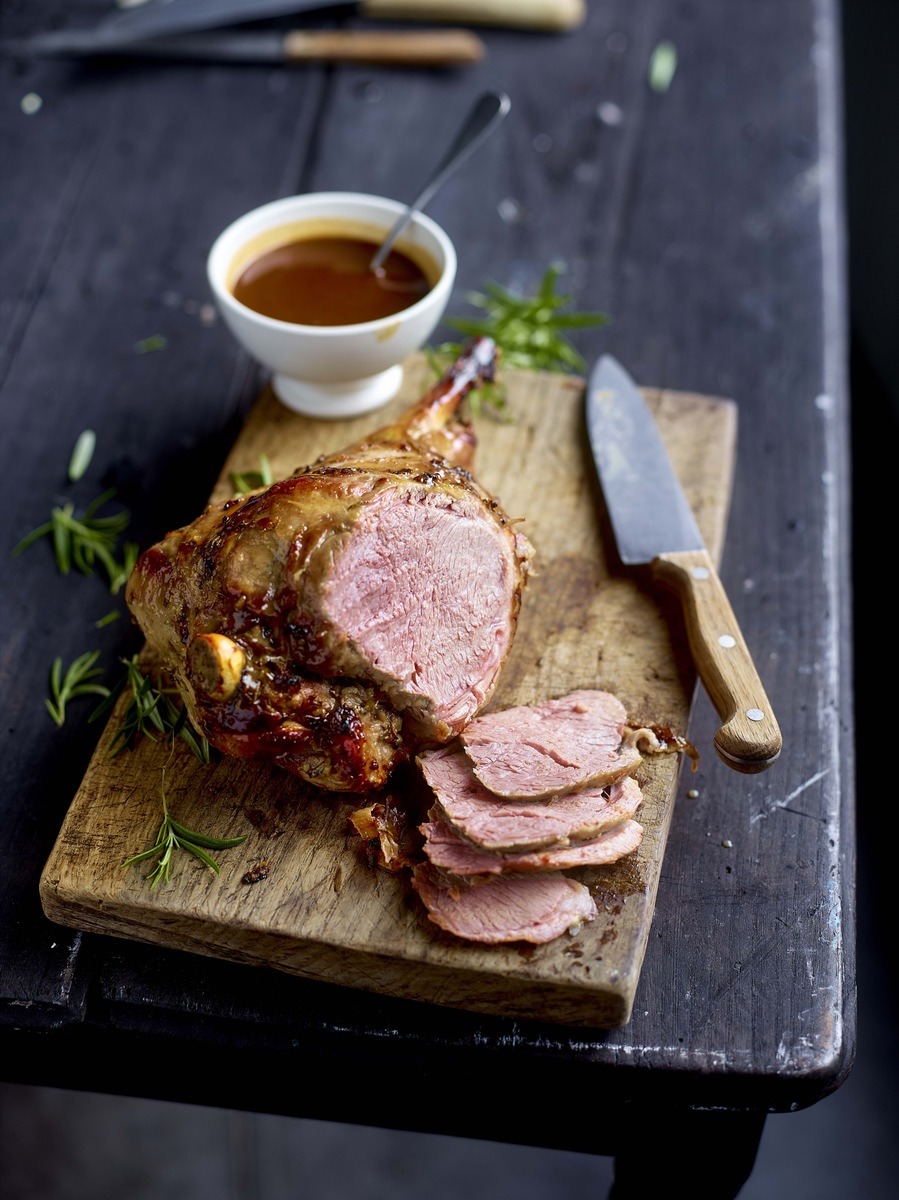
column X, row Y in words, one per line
column 552, row 747
column 507, row 908
column 502, row 826
column 450, row 852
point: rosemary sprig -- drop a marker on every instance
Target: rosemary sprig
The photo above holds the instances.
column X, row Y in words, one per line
column 82, row 542
column 173, row 836
column 248, row 481
column 154, row 714
column 528, row 331
column 151, row 712
column 75, row 682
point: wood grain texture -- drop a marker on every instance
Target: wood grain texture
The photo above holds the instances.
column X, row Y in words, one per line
column 323, row 912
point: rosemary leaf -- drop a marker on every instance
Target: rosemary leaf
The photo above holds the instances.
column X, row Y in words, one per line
column 119, row 572
column 75, row 682
column 247, row 481
column 203, row 839
column 82, row 454
column 41, row 531
column 149, row 344
column 662, row 65
column 199, row 853
column 62, row 546
column 135, row 858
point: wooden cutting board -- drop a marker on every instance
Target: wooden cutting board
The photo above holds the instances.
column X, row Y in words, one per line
column 322, row 911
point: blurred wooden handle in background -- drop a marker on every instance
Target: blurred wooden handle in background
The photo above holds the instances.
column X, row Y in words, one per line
column 526, row 14
column 435, row 48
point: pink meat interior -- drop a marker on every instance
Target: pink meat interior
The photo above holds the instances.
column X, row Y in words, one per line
column 425, row 589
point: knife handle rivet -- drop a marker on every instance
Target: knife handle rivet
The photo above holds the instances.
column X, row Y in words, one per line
column 727, row 641
column 699, row 572
column 755, row 714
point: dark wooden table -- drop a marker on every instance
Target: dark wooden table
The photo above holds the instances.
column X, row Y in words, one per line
column 707, row 220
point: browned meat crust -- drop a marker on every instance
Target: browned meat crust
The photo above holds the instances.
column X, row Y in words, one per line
column 342, row 618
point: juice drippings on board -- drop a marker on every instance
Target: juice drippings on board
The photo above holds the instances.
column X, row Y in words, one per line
column 328, row 281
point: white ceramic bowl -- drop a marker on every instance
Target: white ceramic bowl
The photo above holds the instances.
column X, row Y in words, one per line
column 332, row 370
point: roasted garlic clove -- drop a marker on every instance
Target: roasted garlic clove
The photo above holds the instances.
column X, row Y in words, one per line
column 215, row 664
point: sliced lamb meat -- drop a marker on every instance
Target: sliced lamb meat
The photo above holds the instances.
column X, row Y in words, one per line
column 450, row 852
column 507, row 908
column 338, row 620
column 553, row 747
column 503, row 826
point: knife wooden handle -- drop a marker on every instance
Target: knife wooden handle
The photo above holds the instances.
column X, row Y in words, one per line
column 749, row 740
column 523, row 14
column 434, row 48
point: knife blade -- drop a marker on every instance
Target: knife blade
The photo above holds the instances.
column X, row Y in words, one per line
column 654, row 525
column 161, row 18
column 430, row 48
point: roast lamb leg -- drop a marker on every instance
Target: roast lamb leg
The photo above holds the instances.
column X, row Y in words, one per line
column 346, row 617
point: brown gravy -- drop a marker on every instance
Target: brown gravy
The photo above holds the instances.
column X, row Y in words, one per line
column 327, row 281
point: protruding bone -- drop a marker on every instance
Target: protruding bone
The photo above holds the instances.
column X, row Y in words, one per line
column 434, row 424
column 215, row 664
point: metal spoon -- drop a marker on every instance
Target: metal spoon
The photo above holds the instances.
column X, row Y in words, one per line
column 487, row 113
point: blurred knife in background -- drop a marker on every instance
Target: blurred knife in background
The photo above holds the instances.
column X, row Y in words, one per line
column 431, row 48
column 190, row 29
column 160, row 18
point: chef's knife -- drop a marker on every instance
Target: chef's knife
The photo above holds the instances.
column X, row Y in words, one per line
column 653, row 525
column 427, row 48
column 146, row 31
column 161, row 18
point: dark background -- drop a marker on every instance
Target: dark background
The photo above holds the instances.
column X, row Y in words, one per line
column 871, row 79
column 871, row 85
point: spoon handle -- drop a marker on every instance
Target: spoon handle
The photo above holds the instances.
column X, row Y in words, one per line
column 486, row 114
